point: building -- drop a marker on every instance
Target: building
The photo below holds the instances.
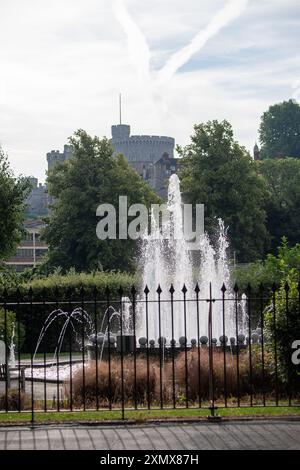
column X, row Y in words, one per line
column 256, row 152
column 37, row 200
column 151, row 156
column 31, row 250
column 160, row 172
column 57, row 156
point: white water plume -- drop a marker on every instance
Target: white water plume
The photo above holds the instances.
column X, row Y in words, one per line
column 166, row 262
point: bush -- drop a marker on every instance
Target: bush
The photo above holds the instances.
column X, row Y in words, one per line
column 8, row 277
column 245, row 387
column 272, row 270
column 73, row 282
column 286, row 327
column 14, row 401
column 91, row 388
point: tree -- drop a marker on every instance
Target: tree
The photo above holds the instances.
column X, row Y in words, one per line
column 279, row 132
column 13, row 194
column 92, row 176
column 219, row 173
column 282, row 177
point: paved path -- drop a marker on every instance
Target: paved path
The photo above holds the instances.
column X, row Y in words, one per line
column 230, row 435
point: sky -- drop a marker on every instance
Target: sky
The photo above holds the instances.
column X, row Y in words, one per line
column 177, row 63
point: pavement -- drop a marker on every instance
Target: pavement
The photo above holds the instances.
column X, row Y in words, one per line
column 235, row 435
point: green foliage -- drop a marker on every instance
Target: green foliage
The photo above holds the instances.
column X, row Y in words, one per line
column 58, row 288
column 280, row 130
column 91, row 177
column 13, row 193
column 282, row 178
column 219, row 173
column 8, row 276
column 274, row 269
column 284, row 325
column 72, row 282
column 11, row 328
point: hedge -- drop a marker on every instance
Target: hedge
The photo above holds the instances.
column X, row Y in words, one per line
column 74, row 285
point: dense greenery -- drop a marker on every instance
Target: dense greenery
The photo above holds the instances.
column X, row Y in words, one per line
column 283, row 324
column 13, row 193
column 280, row 130
column 219, row 173
column 69, row 283
column 72, row 283
column 274, row 269
column 91, row 177
column 282, row 177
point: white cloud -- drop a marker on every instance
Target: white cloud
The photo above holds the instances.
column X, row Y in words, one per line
column 62, row 65
column 230, row 11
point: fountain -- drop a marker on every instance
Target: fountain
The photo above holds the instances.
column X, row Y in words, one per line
column 166, row 262
column 82, row 319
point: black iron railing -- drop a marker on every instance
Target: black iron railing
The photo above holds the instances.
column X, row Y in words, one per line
column 91, row 356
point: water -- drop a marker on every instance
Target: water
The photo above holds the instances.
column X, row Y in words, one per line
column 162, row 263
column 77, row 317
column 75, row 320
column 12, row 348
column 166, row 262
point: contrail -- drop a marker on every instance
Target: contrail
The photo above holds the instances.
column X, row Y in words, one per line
column 137, row 43
column 229, row 12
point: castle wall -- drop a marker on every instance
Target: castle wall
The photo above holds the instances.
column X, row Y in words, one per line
column 37, row 202
column 57, row 156
column 141, row 151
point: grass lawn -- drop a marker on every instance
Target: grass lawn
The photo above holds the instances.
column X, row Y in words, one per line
column 143, row 415
column 62, row 356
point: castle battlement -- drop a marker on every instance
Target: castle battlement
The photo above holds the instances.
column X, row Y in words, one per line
column 158, row 139
column 57, row 156
column 141, row 151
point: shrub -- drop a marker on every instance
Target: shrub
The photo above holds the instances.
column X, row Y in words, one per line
column 14, row 401
column 73, row 282
column 103, row 390
column 286, row 327
column 272, row 269
column 245, row 387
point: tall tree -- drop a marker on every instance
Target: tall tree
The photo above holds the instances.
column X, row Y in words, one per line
column 219, row 173
column 91, row 177
column 279, row 132
column 13, row 194
column 282, row 177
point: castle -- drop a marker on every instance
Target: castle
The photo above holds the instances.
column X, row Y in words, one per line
column 151, row 156
column 57, row 156
column 141, row 151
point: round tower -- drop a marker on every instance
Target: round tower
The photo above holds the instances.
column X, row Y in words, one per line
column 120, row 132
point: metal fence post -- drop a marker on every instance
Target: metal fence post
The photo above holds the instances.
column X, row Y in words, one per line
column 212, row 407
